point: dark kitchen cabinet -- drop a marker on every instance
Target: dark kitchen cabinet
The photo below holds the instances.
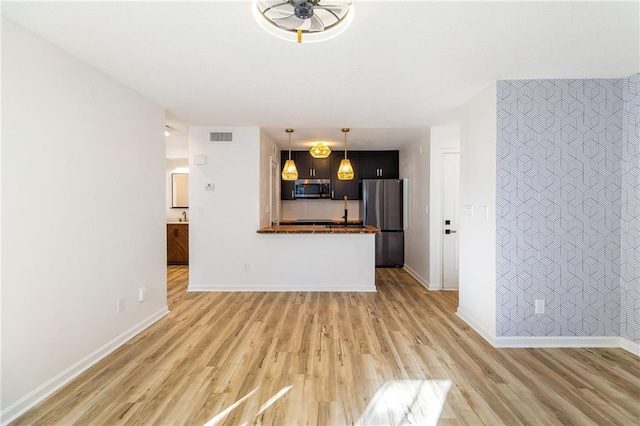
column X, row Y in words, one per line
column 312, row 168
column 340, row 188
column 379, row 164
column 286, row 186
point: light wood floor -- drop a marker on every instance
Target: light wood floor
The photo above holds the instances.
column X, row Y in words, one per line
column 399, row 356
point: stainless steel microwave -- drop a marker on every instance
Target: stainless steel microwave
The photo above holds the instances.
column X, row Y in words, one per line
column 313, row 188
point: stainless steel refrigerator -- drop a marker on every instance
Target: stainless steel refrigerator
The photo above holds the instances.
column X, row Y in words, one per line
column 381, row 206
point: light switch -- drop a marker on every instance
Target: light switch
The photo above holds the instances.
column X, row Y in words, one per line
column 486, row 211
column 199, row 160
column 468, row 210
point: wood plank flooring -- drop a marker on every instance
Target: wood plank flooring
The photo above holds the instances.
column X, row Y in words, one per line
column 398, row 356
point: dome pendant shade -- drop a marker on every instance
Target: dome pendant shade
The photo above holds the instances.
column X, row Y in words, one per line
column 320, row 150
column 345, row 171
column 289, row 171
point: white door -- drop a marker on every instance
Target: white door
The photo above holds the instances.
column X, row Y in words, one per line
column 450, row 212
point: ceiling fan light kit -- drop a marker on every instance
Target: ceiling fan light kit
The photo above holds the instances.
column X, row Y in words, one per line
column 305, row 21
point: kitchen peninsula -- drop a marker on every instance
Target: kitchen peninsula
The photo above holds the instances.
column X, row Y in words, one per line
column 328, row 257
column 227, row 253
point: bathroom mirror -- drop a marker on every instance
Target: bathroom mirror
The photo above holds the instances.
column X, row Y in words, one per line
column 180, row 190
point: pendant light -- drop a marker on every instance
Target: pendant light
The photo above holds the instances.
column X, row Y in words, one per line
column 345, row 171
column 289, row 171
column 320, row 150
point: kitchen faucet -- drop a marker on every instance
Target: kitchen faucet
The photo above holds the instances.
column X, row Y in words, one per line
column 346, row 211
column 184, row 216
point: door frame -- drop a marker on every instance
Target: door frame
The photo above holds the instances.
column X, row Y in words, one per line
column 442, row 225
column 274, row 182
column 436, row 225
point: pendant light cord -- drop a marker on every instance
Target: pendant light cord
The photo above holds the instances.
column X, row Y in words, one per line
column 345, row 130
column 289, row 131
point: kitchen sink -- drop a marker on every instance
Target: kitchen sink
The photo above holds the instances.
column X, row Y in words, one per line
column 342, row 225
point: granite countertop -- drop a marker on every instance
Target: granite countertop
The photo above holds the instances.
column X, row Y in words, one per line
column 316, row 229
column 319, row 222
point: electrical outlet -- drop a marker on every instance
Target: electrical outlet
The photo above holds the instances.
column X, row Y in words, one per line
column 539, row 306
column 120, row 305
column 142, row 291
column 245, row 267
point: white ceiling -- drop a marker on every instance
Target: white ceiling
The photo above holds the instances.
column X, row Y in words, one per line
column 399, row 68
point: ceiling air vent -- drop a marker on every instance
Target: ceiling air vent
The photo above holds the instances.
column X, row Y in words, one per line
column 220, row 137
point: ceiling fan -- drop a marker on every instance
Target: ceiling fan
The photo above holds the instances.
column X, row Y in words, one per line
column 306, row 16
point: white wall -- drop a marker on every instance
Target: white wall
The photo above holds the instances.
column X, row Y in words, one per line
column 443, row 140
column 477, row 303
column 82, row 217
column 172, row 214
column 415, row 166
column 224, row 222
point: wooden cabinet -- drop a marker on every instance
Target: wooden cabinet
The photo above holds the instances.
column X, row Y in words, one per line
column 177, row 244
column 340, row 188
column 379, row 165
column 311, row 168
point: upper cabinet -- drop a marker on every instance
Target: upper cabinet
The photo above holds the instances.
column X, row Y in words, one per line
column 309, row 167
column 379, row 164
column 340, row 188
column 366, row 165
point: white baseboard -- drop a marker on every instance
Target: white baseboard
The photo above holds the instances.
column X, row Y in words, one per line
column 550, row 341
column 272, row 288
column 556, row 342
column 630, row 346
column 417, row 277
column 49, row 387
column 486, row 334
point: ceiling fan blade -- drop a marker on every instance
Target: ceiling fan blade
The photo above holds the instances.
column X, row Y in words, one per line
column 316, row 24
column 280, row 9
column 288, row 22
column 335, row 11
column 277, row 3
column 333, row 7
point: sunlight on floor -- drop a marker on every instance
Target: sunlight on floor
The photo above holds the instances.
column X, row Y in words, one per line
column 218, row 418
column 221, row 416
column 404, row 402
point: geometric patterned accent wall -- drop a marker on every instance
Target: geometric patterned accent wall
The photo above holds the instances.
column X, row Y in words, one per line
column 558, row 206
column 630, row 216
